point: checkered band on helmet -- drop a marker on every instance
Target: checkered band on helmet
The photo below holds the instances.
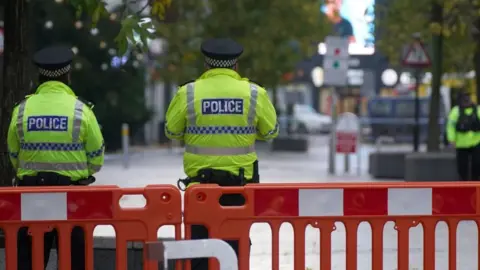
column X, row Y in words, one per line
column 54, row 73
column 220, row 63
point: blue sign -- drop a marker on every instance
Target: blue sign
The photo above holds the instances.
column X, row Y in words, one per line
column 47, row 123
column 222, row 106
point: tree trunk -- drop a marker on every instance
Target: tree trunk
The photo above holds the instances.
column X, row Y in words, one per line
column 15, row 74
column 476, row 67
column 433, row 142
column 476, row 57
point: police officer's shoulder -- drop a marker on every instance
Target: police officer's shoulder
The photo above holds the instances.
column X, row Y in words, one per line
column 185, row 83
column 182, row 87
column 21, row 101
column 86, row 102
column 254, row 82
column 261, row 90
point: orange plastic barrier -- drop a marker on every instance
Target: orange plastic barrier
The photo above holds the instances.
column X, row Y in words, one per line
column 321, row 205
column 45, row 208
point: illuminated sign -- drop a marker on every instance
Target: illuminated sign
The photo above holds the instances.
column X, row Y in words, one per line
column 352, row 19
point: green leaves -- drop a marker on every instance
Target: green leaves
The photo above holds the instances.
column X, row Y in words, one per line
column 145, row 30
column 126, row 34
column 159, row 9
column 398, row 20
column 134, row 28
column 266, row 29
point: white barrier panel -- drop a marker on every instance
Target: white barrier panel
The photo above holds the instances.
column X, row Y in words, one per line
column 190, row 249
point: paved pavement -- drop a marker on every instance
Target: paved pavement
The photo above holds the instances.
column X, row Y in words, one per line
column 163, row 167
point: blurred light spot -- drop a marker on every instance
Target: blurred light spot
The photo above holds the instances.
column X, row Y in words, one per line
column 94, row 31
column 49, row 24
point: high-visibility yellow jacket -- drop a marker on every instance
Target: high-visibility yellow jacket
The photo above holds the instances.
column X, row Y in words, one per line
column 461, row 139
column 219, row 116
column 53, row 131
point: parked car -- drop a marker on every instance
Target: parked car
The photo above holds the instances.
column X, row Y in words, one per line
column 307, row 120
column 310, row 120
column 394, row 117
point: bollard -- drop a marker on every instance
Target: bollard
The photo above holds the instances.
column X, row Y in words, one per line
column 125, row 144
column 359, row 150
column 333, row 133
column 347, row 163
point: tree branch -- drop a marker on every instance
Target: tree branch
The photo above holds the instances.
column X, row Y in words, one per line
column 149, row 3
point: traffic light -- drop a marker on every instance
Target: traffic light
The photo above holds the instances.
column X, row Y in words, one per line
column 336, row 64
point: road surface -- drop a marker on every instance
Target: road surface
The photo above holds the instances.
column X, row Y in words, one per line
column 163, row 167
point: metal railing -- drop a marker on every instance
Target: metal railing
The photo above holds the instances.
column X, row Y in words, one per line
column 190, row 249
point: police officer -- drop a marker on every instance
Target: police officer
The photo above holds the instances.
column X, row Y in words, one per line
column 54, row 140
column 219, row 116
column 463, row 132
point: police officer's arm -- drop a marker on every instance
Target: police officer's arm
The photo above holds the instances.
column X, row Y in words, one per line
column 267, row 125
column 451, row 123
column 12, row 140
column 94, row 143
column 176, row 115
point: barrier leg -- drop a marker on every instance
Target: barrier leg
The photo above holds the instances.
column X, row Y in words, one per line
column 125, row 145
column 189, row 249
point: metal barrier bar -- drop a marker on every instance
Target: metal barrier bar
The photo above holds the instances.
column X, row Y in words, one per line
column 190, row 249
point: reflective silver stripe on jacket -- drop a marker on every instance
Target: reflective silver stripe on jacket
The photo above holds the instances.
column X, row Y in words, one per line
column 252, row 111
column 220, row 151
column 95, row 168
column 77, row 121
column 21, row 112
column 191, row 116
column 46, row 166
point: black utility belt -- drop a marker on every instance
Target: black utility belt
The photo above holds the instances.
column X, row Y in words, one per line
column 53, row 179
column 211, row 176
column 227, row 182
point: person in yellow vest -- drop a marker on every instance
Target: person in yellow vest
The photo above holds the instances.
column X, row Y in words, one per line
column 54, row 140
column 463, row 132
column 219, row 116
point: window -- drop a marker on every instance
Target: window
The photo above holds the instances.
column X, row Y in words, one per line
column 425, row 109
column 380, row 108
column 405, row 108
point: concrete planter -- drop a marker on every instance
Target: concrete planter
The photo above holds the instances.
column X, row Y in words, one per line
column 104, row 255
column 387, row 165
column 438, row 166
column 290, row 144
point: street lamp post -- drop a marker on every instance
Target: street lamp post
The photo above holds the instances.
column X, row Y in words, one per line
column 416, row 128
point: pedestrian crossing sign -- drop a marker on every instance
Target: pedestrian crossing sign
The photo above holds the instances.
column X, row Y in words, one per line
column 416, row 56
